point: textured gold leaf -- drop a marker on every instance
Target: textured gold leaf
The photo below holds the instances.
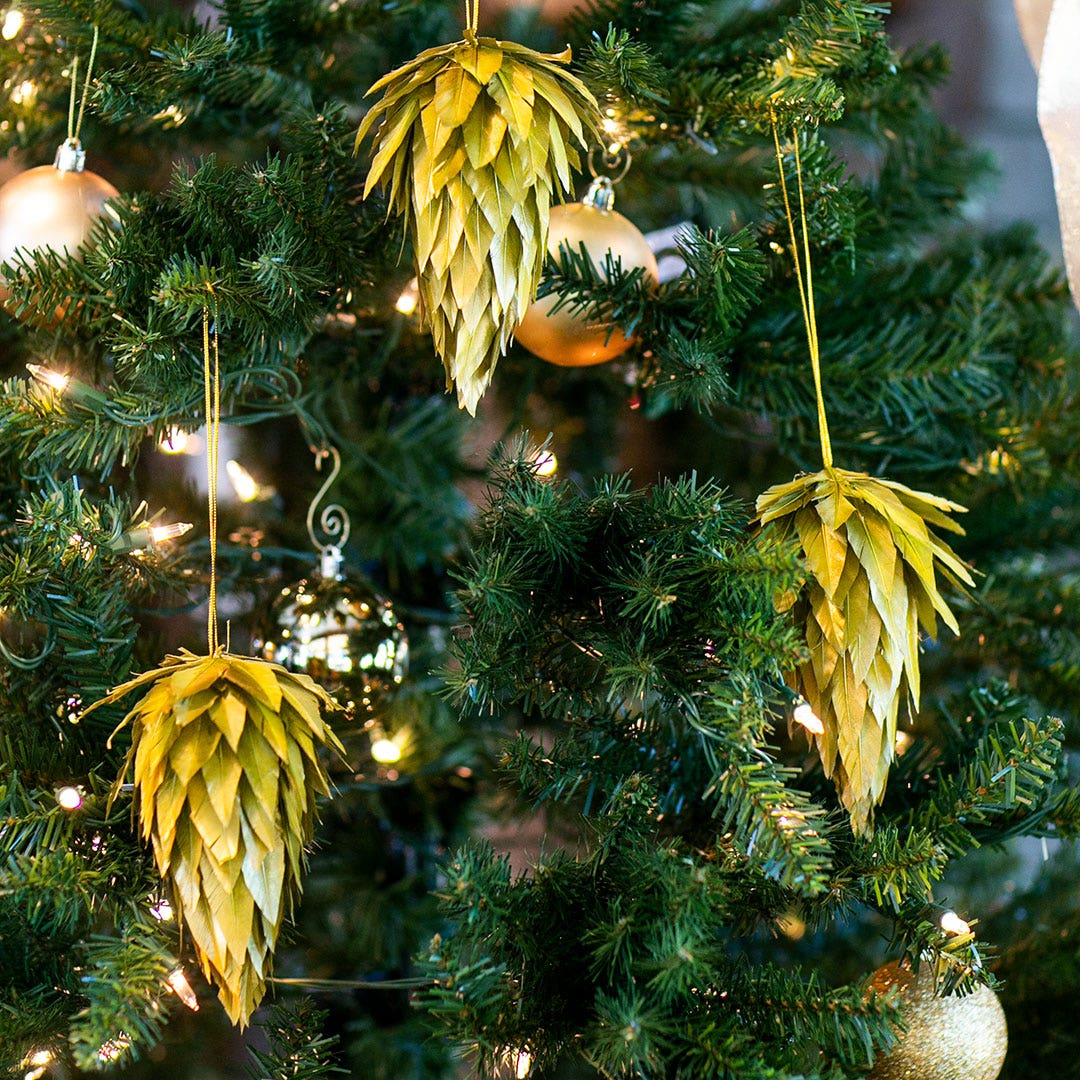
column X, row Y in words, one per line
column 226, row 774
column 473, row 140
column 873, row 558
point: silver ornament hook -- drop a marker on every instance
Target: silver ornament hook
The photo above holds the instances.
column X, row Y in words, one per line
column 333, row 520
column 615, row 165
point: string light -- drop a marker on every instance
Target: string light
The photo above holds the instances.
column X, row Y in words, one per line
column 37, row 1064
column 409, row 299
column 951, row 923
column 385, row 751
column 517, row 1063
column 77, row 391
column 70, row 798
column 809, row 719
column 161, row 909
column 24, row 93
column 546, row 464
column 142, row 538
column 180, row 986
column 48, row 377
column 175, row 441
column 13, row 23
column 247, row 488
column 114, row 1049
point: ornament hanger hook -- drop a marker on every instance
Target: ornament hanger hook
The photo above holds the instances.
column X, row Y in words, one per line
column 333, row 520
column 612, row 166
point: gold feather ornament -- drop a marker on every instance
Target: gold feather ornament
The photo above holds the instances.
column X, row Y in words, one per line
column 873, row 559
column 475, row 140
column 224, row 752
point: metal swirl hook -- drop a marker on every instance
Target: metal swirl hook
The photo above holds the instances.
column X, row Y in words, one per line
column 333, row 520
column 28, row 663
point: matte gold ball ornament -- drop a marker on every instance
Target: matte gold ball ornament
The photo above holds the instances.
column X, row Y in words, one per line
column 51, row 206
column 570, row 339
column 948, row 1038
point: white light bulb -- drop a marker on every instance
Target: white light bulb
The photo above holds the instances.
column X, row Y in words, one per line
column 409, row 299
column 160, row 533
column 806, row 716
column 70, row 798
column 385, row 751
column 48, row 377
column 182, row 989
column 951, row 923
column 546, row 464
column 13, row 23
column 244, row 484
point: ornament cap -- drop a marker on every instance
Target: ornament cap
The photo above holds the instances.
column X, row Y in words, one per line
column 601, row 194
column 70, row 156
column 330, row 563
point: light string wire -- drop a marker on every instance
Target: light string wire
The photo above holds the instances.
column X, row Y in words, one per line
column 472, row 17
column 75, row 125
column 805, row 281
column 212, row 405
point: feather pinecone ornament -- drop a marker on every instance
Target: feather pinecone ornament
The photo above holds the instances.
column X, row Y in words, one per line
column 873, row 558
column 475, row 140
column 226, row 773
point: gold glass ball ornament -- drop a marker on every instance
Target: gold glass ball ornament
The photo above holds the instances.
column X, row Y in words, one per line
column 339, row 631
column 571, row 340
column 948, row 1038
column 551, row 11
column 51, row 206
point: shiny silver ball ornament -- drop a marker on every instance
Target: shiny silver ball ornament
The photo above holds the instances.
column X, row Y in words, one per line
column 345, row 636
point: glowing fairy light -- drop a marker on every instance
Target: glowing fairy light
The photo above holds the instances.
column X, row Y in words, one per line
column 385, row 751
column 37, row 1064
column 180, row 986
column 545, row 464
column 809, row 719
column 113, row 1049
column 175, row 441
column 161, row 909
column 247, row 488
column 137, row 540
column 70, row 798
column 951, row 923
column 13, row 23
column 49, row 377
column 24, row 93
column 409, row 300
column 160, row 533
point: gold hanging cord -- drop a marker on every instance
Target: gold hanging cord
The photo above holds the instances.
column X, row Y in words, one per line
column 472, row 18
column 212, row 405
column 805, row 280
column 75, row 125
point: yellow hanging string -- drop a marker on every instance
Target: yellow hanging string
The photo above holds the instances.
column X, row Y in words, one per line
column 86, row 83
column 472, row 17
column 805, row 283
column 212, row 403
column 71, row 100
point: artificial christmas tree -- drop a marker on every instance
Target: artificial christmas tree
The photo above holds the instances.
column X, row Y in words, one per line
column 613, row 654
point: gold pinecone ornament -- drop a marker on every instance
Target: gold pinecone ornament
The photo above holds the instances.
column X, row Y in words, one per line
column 226, row 773
column 475, row 140
column 872, row 558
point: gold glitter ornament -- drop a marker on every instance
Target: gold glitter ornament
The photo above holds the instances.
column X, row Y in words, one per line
column 475, row 141
column 948, row 1038
column 567, row 338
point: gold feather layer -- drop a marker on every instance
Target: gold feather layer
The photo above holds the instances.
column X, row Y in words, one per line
column 226, row 771
column 873, row 561
column 474, row 142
